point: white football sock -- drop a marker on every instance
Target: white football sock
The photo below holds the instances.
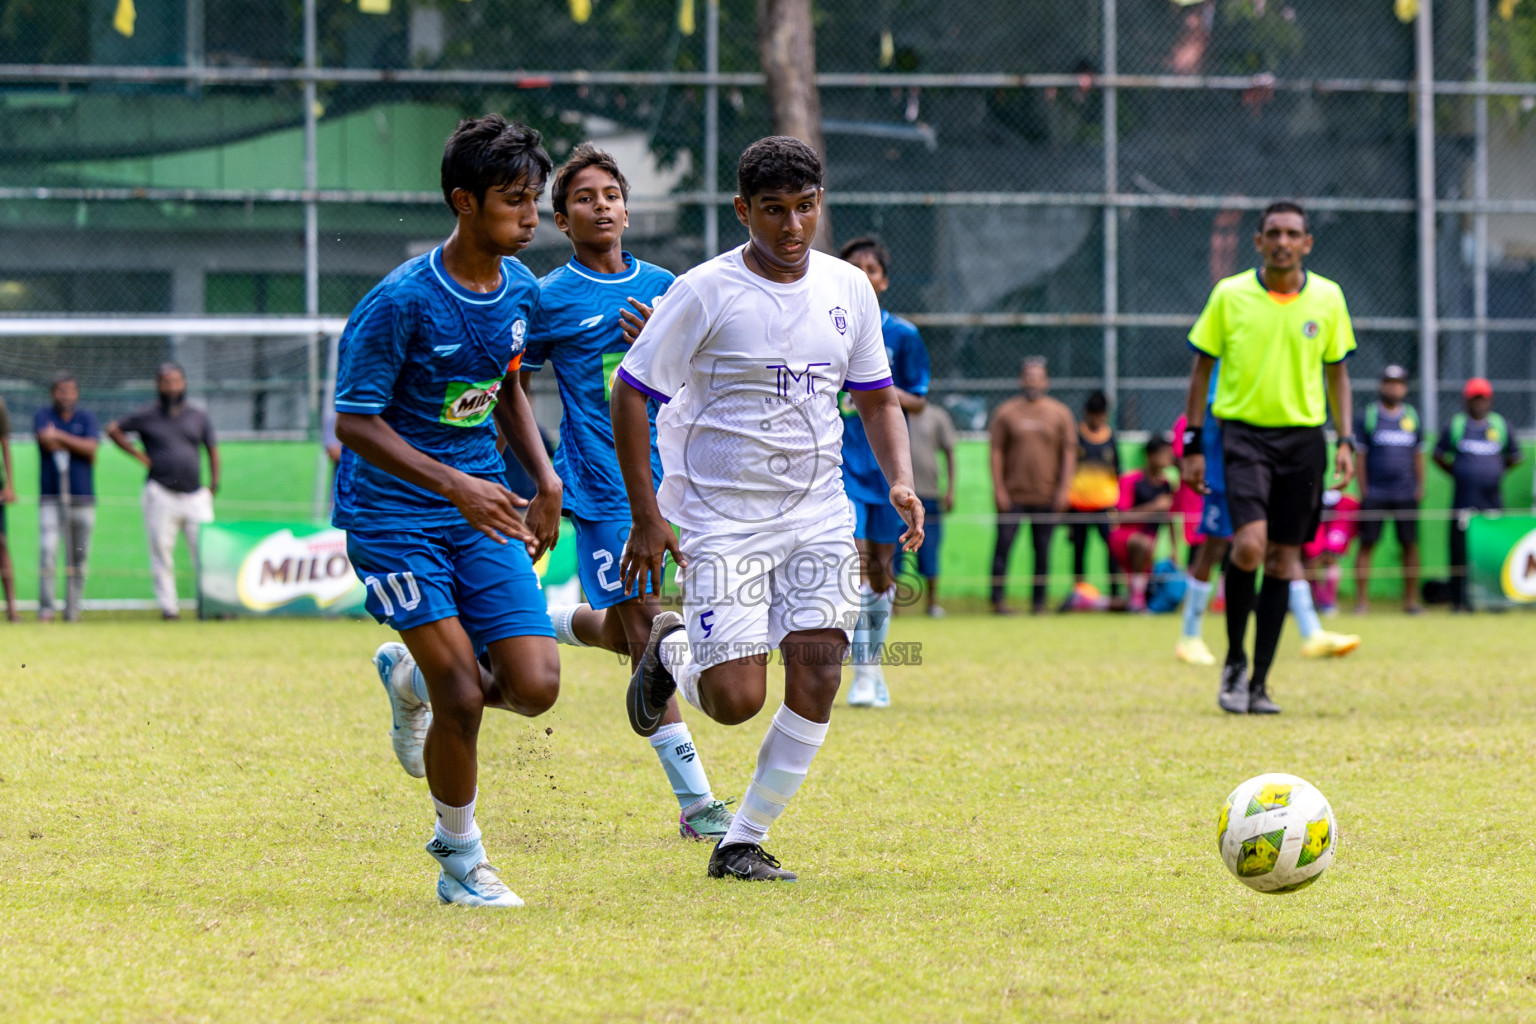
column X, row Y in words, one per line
column 457, row 824
column 562, row 618
column 676, row 655
column 782, row 762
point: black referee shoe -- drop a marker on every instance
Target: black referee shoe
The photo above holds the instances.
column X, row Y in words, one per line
column 1259, row 702
column 651, row 685
column 1233, row 697
column 747, row 862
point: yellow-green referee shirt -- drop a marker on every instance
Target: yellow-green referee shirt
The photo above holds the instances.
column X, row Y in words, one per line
column 1272, row 348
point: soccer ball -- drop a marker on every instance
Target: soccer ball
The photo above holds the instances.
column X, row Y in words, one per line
column 1276, row 833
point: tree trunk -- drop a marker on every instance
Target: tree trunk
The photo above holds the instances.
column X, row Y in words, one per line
column 786, row 46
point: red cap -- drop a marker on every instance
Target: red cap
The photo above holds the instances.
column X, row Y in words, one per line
column 1477, row 387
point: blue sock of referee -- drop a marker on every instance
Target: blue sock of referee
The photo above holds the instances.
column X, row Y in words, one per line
column 1241, row 586
column 1269, row 621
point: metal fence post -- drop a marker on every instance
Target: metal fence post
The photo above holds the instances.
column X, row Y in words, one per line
column 1424, row 55
column 1480, row 193
column 1111, row 212
column 709, row 172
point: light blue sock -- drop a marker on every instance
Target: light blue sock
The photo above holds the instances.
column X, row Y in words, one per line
column 1301, row 607
column 1196, row 596
column 685, row 769
column 879, row 606
column 457, row 851
column 858, row 647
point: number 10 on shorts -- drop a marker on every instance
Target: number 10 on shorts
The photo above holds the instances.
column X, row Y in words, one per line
column 404, row 586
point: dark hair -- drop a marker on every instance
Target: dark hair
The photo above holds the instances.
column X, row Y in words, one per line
column 491, row 152
column 168, row 368
column 1035, row 361
column 777, row 163
column 584, row 156
column 1283, row 206
column 63, row 378
column 870, row 244
column 1097, row 402
column 1157, row 443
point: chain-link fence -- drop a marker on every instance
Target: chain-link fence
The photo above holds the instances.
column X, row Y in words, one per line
column 1065, row 179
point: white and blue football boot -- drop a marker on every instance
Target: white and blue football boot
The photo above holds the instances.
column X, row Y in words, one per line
column 409, row 714
column 479, row 888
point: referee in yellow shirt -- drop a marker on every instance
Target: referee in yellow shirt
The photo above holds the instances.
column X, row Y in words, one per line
column 1279, row 332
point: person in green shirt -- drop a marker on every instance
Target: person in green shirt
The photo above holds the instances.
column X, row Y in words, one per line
column 1280, row 333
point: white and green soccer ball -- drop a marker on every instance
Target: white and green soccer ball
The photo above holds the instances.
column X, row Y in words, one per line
column 1276, row 833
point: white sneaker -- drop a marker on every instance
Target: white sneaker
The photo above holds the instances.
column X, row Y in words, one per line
column 861, row 692
column 882, row 695
column 409, row 717
column 479, row 888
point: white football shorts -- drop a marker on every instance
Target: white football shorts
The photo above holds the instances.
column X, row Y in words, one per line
column 744, row 592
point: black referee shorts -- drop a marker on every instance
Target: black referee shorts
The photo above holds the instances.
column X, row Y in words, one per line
column 1275, row 474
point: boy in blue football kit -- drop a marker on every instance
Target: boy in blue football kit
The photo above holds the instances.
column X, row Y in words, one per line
column 580, row 334
column 431, row 527
column 876, row 523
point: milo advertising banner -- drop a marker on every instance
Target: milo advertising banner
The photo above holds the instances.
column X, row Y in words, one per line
column 265, row 568
column 1501, row 561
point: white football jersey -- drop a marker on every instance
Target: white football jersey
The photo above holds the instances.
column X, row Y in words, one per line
column 749, row 370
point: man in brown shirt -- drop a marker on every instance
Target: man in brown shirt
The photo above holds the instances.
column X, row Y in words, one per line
column 1034, row 453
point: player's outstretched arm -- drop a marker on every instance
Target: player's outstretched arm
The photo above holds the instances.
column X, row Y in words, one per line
column 886, row 428
column 514, row 419
column 651, row 537
column 485, row 506
column 1194, row 422
column 1343, row 418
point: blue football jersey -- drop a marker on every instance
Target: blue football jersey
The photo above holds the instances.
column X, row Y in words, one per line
column 909, row 371
column 578, row 332
column 428, row 355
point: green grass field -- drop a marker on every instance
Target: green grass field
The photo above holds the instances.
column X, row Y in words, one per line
column 205, row 822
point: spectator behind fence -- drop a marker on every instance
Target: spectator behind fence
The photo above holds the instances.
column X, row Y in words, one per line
column 1477, row 449
column 7, row 496
column 1034, row 453
column 67, row 439
column 174, row 497
column 1095, row 484
column 1391, row 474
column 932, row 431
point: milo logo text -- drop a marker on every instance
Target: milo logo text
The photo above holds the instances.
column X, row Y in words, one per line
column 469, row 405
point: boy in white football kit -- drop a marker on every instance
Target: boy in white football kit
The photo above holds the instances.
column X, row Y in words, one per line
column 747, row 353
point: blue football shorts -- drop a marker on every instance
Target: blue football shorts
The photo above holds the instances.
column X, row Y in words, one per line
column 599, row 543
column 1215, row 517
column 419, row 576
column 876, row 522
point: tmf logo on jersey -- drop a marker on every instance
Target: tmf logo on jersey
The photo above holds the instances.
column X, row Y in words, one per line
column 786, row 378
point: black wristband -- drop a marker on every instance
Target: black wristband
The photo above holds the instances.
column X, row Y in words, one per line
column 1193, row 441
column 1347, row 441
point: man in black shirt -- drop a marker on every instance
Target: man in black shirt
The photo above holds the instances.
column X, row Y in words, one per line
column 1477, row 449
column 1391, row 474
column 174, row 496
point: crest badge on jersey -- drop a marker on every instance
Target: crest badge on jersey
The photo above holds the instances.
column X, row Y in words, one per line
column 1310, row 329
column 839, row 317
column 519, row 331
